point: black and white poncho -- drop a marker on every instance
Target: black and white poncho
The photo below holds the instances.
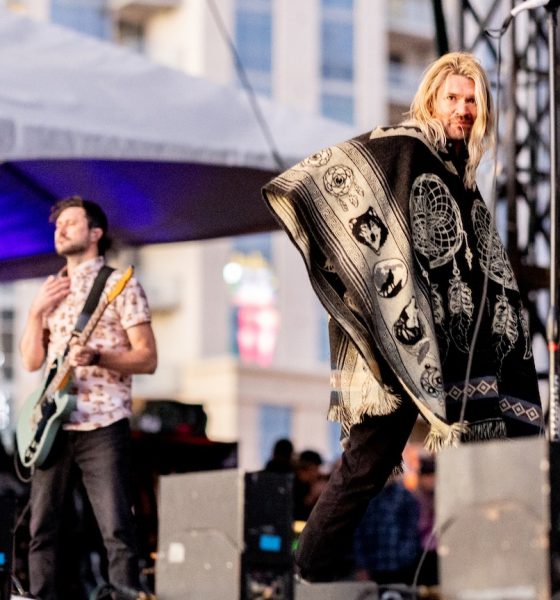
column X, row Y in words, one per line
column 397, row 251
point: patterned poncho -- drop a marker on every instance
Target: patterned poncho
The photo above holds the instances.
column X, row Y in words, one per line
column 398, row 252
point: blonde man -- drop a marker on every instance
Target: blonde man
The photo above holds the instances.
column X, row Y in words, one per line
column 425, row 313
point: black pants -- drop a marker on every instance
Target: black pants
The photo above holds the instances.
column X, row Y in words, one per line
column 374, row 449
column 102, row 458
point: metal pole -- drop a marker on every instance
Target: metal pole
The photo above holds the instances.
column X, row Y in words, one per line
column 552, row 323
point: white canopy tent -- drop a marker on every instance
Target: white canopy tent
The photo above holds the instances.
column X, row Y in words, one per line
column 171, row 157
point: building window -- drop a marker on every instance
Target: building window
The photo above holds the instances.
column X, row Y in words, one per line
column 337, row 60
column 348, row 4
column 253, row 38
column 337, row 50
column 336, row 107
column 254, row 315
column 275, row 422
column 86, row 16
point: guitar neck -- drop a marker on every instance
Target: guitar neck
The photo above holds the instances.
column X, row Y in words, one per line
column 63, row 370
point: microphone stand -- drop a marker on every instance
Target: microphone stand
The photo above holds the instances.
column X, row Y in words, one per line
column 552, row 329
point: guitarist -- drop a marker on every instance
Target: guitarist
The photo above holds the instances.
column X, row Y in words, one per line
column 94, row 441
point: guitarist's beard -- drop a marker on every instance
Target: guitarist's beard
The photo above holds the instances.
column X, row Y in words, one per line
column 71, row 248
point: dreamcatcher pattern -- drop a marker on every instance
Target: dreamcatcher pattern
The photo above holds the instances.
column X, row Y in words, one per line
column 438, row 234
column 340, row 182
column 493, row 257
column 495, row 263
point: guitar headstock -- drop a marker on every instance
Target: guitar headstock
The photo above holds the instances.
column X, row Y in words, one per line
column 120, row 284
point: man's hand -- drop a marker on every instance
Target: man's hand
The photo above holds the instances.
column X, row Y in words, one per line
column 50, row 294
column 83, row 356
column 33, row 341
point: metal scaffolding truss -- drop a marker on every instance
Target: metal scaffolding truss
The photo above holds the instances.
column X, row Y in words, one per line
column 523, row 183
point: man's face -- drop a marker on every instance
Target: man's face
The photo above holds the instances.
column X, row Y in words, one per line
column 72, row 234
column 456, row 107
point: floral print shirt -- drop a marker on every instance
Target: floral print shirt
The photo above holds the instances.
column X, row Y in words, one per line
column 103, row 395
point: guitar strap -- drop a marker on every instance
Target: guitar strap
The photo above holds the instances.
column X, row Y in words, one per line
column 93, row 299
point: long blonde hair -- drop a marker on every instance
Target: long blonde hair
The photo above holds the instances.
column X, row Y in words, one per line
column 422, row 109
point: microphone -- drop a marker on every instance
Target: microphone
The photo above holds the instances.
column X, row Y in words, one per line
column 531, row 4
column 528, row 5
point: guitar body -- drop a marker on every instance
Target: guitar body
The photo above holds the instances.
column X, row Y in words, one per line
column 39, row 422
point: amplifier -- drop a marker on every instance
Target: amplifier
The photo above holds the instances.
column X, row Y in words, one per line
column 497, row 520
column 266, row 566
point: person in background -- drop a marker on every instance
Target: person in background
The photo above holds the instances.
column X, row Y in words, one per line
column 387, row 540
column 282, row 460
column 309, row 483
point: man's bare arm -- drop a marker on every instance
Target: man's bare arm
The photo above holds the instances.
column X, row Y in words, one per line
column 141, row 358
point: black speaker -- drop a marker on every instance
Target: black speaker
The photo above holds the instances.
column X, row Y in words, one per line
column 7, row 521
column 343, row 590
column 266, row 565
column 497, row 520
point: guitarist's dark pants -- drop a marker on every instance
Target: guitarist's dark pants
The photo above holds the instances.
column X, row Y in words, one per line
column 102, row 458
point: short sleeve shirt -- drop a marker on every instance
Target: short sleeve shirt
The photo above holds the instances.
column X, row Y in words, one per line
column 103, row 395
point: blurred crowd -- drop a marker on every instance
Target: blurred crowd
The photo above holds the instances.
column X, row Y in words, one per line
column 395, row 541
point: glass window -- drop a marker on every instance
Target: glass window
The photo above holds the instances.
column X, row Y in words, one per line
column 253, row 34
column 275, row 422
column 86, row 16
column 338, row 4
column 337, row 50
column 338, row 107
column 254, row 316
column 253, row 39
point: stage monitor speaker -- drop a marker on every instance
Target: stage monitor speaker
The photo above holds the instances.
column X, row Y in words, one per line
column 200, row 536
column 493, row 516
column 343, row 590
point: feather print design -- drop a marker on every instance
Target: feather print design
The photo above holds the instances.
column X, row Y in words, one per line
column 438, row 312
column 504, row 328
column 437, row 305
column 461, row 308
column 525, row 328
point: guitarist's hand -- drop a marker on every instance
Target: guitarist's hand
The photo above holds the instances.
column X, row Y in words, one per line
column 50, row 294
column 82, row 356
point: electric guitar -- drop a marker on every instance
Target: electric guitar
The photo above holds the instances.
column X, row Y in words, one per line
column 48, row 406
